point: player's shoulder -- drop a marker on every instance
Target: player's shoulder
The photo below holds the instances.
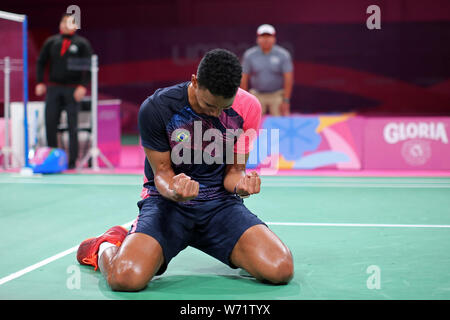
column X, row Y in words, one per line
column 167, row 99
column 245, row 101
column 173, row 96
column 243, row 95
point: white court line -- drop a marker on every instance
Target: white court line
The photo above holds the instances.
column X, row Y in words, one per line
column 283, row 179
column 44, row 262
column 375, row 225
column 318, row 184
column 20, row 273
column 81, row 183
column 355, row 185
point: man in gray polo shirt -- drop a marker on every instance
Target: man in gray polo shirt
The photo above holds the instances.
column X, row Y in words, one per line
column 268, row 71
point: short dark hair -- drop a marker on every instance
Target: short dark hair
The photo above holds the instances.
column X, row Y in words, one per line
column 220, row 72
column 65, row 14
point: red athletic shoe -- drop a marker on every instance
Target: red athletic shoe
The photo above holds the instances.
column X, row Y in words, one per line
column 87, row 253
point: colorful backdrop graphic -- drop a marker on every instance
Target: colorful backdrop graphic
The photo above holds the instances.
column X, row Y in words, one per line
column 309, row 142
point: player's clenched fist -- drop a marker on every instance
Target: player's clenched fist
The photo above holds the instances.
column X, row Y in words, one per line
column 250, row 184
column 184, row 188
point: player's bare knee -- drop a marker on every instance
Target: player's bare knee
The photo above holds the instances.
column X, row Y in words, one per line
column 282, row 270
column 127, row 279
column 286, row 270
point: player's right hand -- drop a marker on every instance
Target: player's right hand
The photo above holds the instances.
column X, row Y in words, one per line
column 184, row 188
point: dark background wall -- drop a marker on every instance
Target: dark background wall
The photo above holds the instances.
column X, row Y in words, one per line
column 340, row 65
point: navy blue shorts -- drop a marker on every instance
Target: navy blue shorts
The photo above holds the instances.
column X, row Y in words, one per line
column 212, row 226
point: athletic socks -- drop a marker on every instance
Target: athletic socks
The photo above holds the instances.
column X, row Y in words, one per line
column 105, row 245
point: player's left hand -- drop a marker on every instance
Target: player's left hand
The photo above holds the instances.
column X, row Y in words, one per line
column 250, row 184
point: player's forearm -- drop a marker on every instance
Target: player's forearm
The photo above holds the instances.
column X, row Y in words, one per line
column 235, row 172
column 178, row 187
column 232, row 177
column 163, row 182
column 162, row 170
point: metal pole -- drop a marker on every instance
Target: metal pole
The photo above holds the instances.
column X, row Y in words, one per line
column 6, row 149
column 25, row 87
column 94, row 152
column 94, row 105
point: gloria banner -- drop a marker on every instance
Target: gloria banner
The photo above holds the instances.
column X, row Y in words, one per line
column 407, row 143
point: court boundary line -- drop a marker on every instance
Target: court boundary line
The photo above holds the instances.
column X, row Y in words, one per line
column 64, row 253
column 44, row 262
column 370, row 225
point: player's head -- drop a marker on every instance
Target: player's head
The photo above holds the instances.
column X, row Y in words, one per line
column 67, row 25
column 266, row 37
column 217, row 81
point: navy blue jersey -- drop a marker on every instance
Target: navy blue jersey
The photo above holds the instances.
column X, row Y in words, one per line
column 166, row 119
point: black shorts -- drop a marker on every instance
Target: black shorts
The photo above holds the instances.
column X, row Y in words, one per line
column 212, row 226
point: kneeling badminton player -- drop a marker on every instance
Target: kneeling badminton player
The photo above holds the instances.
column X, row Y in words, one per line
column 193, row 192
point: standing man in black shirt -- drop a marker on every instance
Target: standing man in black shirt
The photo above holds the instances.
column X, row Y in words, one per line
column 66, row 87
